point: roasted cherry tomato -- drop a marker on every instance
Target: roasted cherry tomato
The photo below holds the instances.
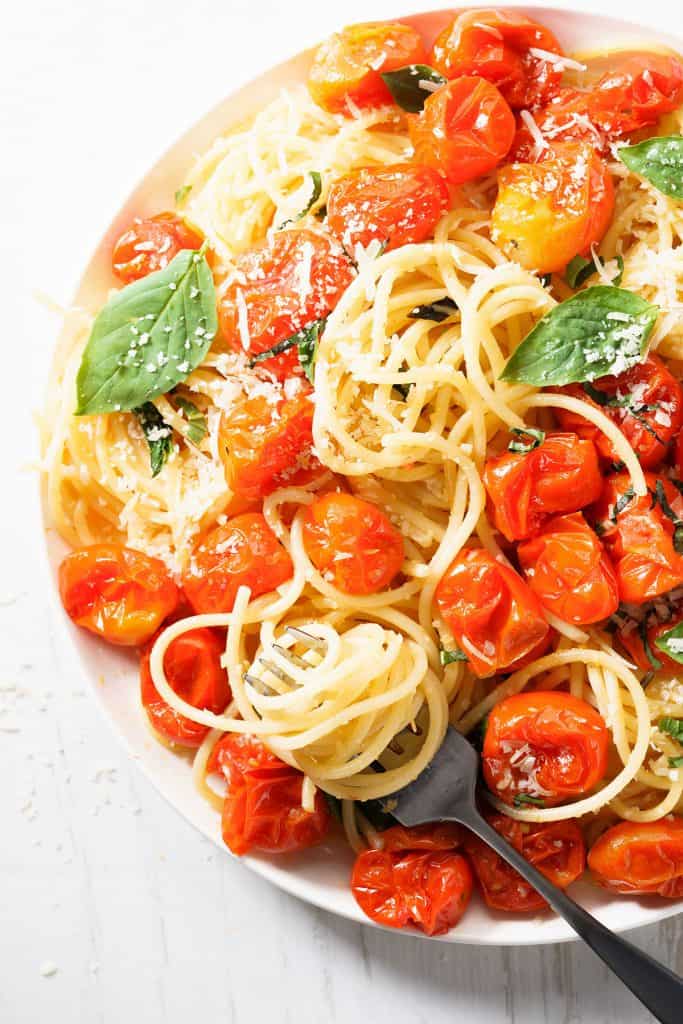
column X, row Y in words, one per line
column 556, row 848
column 347, row 68
column 352, row 543
column 395, row 205
column 505, row 48
column 640, row 642
column 639, row 536
column 493, row 615
column 267, row 442
column 569, row 570
column 543, row 746
column 262, row 807
column 563, row 119
column 546, row 213
column 118, row 593
column 243, row 553
column 192, row 664
column 560, row 475
column 428, row 890
column 635, row 91
column 645, row 402
column 464, row 131
column 444, row 835
column 641, row 858
column 277, row 289
column 150, row 244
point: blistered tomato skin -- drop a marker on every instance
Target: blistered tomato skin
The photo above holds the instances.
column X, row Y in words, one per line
column 631, row 638
column 494, row 617
column 347, row 68
column 640, row 858
column 150, row 244
column 544, row 746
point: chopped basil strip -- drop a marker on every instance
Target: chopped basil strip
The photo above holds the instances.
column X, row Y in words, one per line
column 626, row 402
column 602, row 330
column 659, row 161
column 182, row 194
column 196, row 420
column 412, row 85
column 659, row 497
column 674, row 727
column 523, row 798
column 676, row 762
column 317, row 183
column 448, row 657
column 149, row 337
column 649, row 653
column 671, row 643
column 536, row 438
column 580, row 269
column 306, row 340
column 157, row 433
column 545, row 279
column 437, row 311
column 621, row 503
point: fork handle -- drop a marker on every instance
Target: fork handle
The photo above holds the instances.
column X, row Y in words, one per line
column 655, row 985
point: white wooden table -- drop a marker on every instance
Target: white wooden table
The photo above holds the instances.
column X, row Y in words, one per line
column 139, row 917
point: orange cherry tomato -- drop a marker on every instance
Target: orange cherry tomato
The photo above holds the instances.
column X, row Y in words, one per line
column 634, row 637
column 498, row 46
column 396, row 205
column 150, row 244
column 545, row 746
column 641, row 858
column 192, row 664
column 547, row 212
column 635, row 91
column 277, row 289
column 429, row 890
column 347, row 68
column 493, row 615
column 560, row 475
column 638, row 535
column 464, row 131
column 352, row 543
column 444, row 835
column 569, row 570
column 243, row 553
column 645, row 402
column 556, row 848
column 116, row 592
column 563, row 119
column 262, row 807
column 266, row 443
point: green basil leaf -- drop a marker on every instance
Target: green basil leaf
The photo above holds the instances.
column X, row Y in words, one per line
column 671, row 643
column 437, row 311
column 620, row 504
column 536, row 438
column 317, row 182
column 599, row 331
column 448, row 657
column 306, row 340
column 523, row 798
column 196, row 421
column 579, row 270
column 655, row 663
column 182, row 193
column 157, row 433
column 674, row 727
column 676, row 762
column 410, row 86
column 659, row 161
column 149, row 337
column 545, row 279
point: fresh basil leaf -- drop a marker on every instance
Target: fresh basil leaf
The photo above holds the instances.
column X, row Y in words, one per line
column 674, row 727
column 649, row 653
column 196, row 421
column 437, row 311
column 616, row 281
column 448, row 657
column 306, row 340
column 523, row 798
column 536, row 438
column 659, row 161
column 676, row 762
column 149, row 337
column 157, row 433
column 317, row 181
column 671, row 643
column 410, row 86
column 545, row 279
column 620, row 504
column 659, row 497
column 579, row 270
column 182, row 194
column 602, row 330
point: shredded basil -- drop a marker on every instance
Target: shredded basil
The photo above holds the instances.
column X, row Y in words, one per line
column 671, row 643
column 524, row 798
column 673, row 726
column 182, row 194
column 317, row 182
column 621, row 503
column 659, row 160
column 407, row 85
column 157, row 433
column 580, row 269
column 306, row 340
column 196, row 421
column 545, row 279
column 437, row 311
column 448, row 657
column 676, row 762
column 625, row 402
column 660, row 498
column 536, row 438
column 649, row 653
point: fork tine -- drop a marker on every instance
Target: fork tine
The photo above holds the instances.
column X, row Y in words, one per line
column 316, row 642
column 290, row 656
column 275, row 669
column 257, row 683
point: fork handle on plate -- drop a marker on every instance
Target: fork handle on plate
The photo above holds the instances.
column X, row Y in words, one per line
column 655, row 985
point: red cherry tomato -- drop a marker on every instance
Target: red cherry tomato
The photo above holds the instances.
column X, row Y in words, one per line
column 556, row 848
column 645, row 402
column 546, row 746
column 347, row 68
column 443, row 835
column 498, row 46
column 563, row 119
column 464, row 131
column 352, row 543
column 262, row 808
column 634, row 637
column 428, row 890
column 560, row 475
column 546, row 213
column 641, row 858
column 192, row 664
column 569, row 570
column 635, row 91
column 395, row 205
column 493, row 615
column 266, row 443
column 243, row 553
column 118, row 593
column 638, row 535
column 150, row 244
column 277, row 289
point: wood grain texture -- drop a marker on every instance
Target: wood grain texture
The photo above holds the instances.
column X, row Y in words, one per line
column 145, row 920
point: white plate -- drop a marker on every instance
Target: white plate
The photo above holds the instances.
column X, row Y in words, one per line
column 319, row 876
